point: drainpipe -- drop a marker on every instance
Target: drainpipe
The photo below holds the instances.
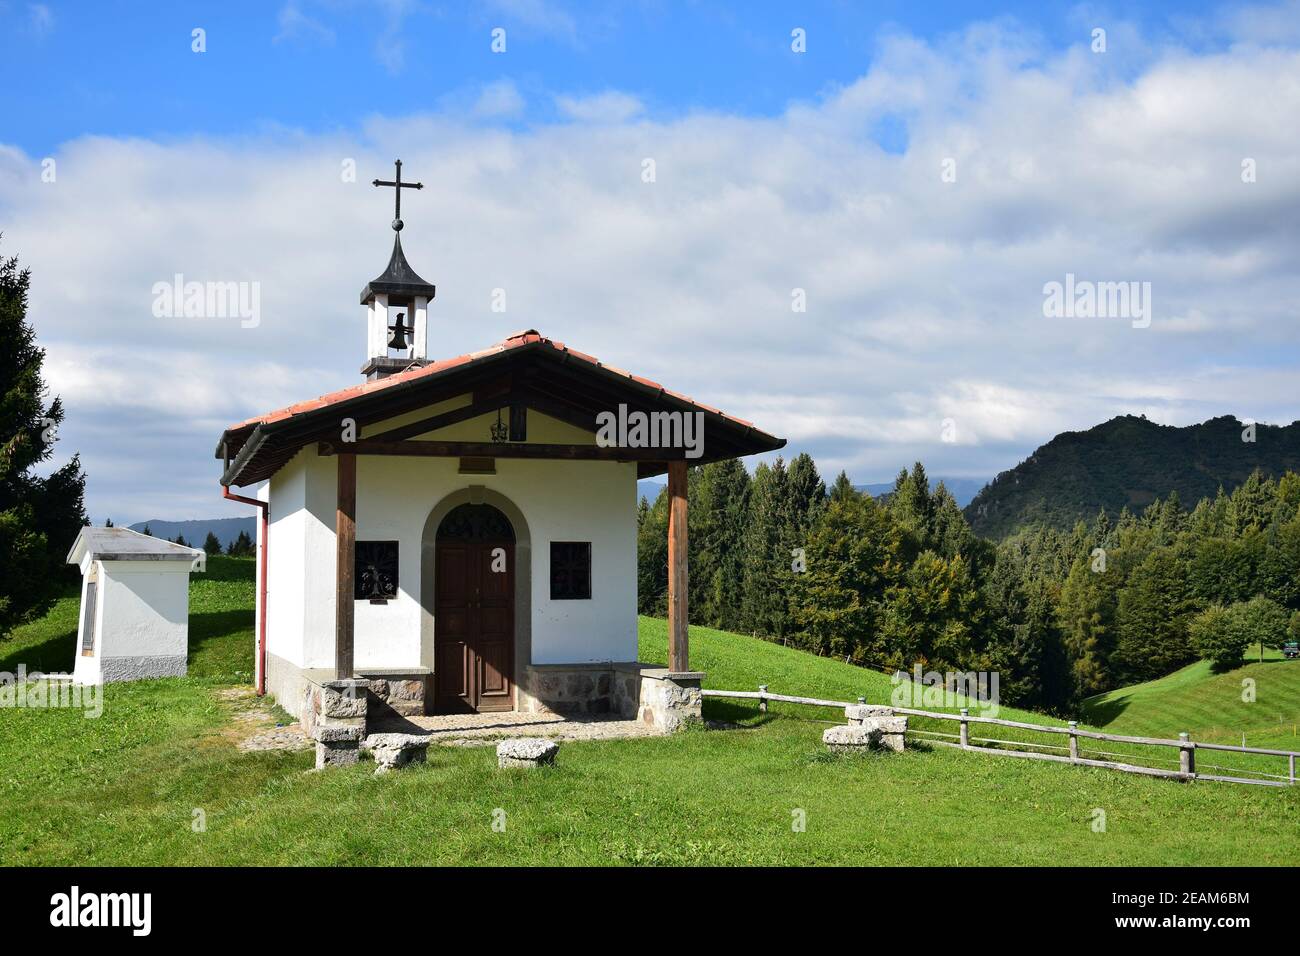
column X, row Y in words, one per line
column 265, row 538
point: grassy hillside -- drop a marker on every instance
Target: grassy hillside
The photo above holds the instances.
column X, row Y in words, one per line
column 1209, row 706
column 1128, row 461
column 128, row 786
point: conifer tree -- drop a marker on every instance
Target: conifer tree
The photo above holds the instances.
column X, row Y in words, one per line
column 652, row 555
column 39, row 517
column 842, row 489
column 852, row 559
column 1155, row 609
column 718, row 509
column 241, row 547
column 767, row 566
column 1251, row 504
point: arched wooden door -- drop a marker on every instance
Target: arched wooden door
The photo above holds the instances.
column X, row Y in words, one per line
column 474, row 613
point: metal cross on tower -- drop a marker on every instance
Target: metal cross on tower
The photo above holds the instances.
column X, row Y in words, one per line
column 398, row 186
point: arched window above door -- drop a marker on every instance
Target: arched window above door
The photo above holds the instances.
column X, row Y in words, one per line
column 476, row 523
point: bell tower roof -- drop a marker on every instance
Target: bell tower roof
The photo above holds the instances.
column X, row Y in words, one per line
column 399, row 281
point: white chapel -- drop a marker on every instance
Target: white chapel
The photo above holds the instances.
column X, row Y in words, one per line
column 458, row 533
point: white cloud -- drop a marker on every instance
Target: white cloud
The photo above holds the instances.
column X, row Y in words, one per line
column 543, row 16
column 608, row 107
column 297, row 25
column 390, row 47
column 924, row 297
column 499, row 100
column 40, row 19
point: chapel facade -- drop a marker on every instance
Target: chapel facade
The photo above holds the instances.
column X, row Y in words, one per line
column 459, row 533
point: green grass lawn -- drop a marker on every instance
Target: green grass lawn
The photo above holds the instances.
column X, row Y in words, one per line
column 126, row 788
column 1209, row 706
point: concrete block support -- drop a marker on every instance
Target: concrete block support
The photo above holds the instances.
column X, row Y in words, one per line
column 334, row 714
column 670, row 700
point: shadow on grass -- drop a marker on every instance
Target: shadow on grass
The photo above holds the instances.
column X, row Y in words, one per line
column 1101, row 713
column 726, row 711
column 210, row 625
column 57, row 653
column 53, row 655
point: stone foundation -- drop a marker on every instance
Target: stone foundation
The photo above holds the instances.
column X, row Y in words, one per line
column 654, row 695
column 568, row 689
column 392, row 692
column 288, row 683
column 397, row 693
column 113, row 669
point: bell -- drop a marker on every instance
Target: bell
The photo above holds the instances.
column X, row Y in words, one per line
column 397, row 340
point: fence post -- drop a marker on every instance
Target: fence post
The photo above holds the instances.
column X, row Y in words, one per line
column 965, row 732
column 762, row 701
column 1074, row 741
column 1291, row 761
column 1186, row 756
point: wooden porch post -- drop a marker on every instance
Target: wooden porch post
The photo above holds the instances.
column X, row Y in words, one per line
column 345, row 535
column 678, row 651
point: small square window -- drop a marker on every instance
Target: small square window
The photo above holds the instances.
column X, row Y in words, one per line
column 570, row 570
column 375, row 574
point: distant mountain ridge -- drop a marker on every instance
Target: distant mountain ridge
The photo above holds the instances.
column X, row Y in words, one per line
column 196, row 532
column 1128, row 462
column 963, row 490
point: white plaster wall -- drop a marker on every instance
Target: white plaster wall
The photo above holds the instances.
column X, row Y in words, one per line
column 285, row 596
column 142, row 621
column 146, row 609
column 561, row 501
column 300, row 561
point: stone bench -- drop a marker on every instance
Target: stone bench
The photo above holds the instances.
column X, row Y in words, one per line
column 391, row 751
column 868, row 733
column 526, row 752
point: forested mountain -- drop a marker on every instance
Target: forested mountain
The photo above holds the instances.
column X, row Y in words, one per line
column 1059, row 615
column 1129, row 462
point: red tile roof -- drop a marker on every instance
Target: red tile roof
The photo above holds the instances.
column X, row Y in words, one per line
column 513, row 341
column 257, row 447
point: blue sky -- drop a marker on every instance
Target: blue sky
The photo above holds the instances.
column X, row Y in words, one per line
column 127, row 158
column 127, row 69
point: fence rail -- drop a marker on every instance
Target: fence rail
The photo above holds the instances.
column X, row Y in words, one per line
column 1186, row 747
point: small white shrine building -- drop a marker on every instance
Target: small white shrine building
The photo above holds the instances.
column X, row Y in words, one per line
column 135, row 605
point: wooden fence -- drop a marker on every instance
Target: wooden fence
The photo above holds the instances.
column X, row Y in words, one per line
column 1072, row 751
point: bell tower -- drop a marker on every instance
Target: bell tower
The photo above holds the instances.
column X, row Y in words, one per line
column 404, row 342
